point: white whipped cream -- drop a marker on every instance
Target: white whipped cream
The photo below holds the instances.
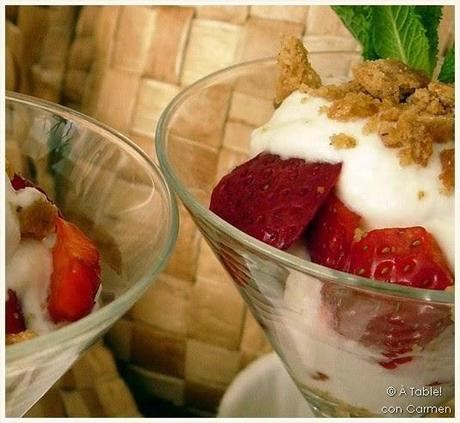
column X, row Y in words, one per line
column 372, row 182
column 12, row 231
column 29, row 262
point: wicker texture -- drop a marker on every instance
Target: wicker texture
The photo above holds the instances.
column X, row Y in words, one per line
column 191, row 333
column 92, row 388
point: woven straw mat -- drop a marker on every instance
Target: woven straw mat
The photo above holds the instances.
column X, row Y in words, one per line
column 188, row 337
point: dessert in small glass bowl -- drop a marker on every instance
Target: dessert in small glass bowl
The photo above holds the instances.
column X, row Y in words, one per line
column 345, row 339
column 97, row 238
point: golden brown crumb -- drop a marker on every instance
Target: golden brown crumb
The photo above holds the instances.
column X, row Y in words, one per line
column 38, row 219
column 294, row 69
column 389, row 79
column 14, row 338
column 353, row 106
column 358, row 235
column 372, row 125
column 426, row 101
column 386, row 130
column 442, row 128
column 421, row 195
column 415, row 139
column 319, row 376
column 390, row 113
column 447, row 175
column 342, row 141
column 334, row 92
column 445, row 93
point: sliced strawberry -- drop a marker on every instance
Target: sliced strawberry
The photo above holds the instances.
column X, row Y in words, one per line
column 76, row 274
column 273, row 199
column 406, row 256
column 13, row 312
column 330, row 234
column 18, row 182
column 393, row 328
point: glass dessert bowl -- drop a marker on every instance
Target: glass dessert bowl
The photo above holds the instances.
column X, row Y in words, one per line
column 110, row 189
column 209, row 125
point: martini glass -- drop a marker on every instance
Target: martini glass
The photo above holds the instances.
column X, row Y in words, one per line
column 108, row 187
column 318, row 320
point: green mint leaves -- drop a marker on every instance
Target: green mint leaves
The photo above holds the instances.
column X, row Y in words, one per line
column 447, row 73
column 358, row 20
column 406, row 33
column 430, row 17
column 400, row 34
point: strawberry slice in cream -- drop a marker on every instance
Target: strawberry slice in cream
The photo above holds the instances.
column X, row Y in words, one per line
column 49, row 282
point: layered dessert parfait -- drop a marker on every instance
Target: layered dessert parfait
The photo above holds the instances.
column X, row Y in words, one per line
column 357, row 176
column 52, row 268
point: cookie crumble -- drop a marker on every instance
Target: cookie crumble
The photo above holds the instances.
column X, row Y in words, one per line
column 402, row 106
column 342, row 141
column 447, row 175
column 38, row 219
column 294, row 69
column 14, row 338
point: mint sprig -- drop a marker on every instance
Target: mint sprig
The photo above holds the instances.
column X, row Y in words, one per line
column 430, row 17
column 406, row 33
column 358, row 20
column 447, row 73
column 400, row 34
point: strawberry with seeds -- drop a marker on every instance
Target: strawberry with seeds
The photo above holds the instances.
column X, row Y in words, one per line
column 276, row 201
column 395, row 329
column 405, row 256
column 273, row 199
column 330, row 235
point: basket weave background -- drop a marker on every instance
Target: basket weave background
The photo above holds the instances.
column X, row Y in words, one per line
column 191, row 333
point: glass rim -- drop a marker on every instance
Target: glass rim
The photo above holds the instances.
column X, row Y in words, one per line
column 290, row 260
column 70, row 331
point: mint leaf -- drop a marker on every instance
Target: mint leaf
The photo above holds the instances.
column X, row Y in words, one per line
column 447, row 73
column 400, row 34
column 430, row 17
column 358, row 20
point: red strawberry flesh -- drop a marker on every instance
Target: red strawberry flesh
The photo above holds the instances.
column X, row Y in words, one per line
column 14, row 318
column 76, row 274
column 330, row 234
column 392, row 327
column 406, row 256
column 273, row 199
column 18, row 183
